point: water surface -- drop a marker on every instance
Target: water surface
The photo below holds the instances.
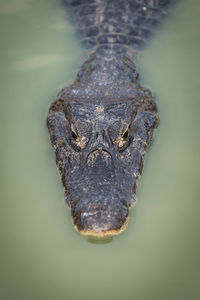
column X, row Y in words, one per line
column 157, row 257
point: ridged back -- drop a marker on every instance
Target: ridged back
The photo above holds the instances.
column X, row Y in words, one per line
column 123, row 22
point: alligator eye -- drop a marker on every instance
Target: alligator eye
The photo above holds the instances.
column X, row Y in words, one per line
column 75, row 140
column 124, row 140
column 78, row 142
column 74, row 135
column 125, row 135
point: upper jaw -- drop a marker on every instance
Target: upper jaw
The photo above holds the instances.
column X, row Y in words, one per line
column 104, row 215
column 100, row 200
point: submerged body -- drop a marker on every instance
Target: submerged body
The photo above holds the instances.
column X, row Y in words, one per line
column 101, row 125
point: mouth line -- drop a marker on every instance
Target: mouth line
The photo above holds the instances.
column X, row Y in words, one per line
column 100, row 234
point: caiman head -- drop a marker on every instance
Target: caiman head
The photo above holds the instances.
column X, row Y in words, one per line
column 100, row 142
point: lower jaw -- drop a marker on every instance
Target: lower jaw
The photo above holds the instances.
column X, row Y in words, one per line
column 103, row 233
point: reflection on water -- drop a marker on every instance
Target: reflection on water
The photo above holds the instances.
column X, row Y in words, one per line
column 100, row 241
column 43, row 257
column 37, row 61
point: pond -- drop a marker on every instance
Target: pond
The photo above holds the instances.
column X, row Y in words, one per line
column 42, row 256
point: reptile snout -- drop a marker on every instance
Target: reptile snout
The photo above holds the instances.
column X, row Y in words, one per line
column 103, row 216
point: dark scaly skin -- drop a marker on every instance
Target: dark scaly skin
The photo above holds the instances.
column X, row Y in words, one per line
column 101, row 125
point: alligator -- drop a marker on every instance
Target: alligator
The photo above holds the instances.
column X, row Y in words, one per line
column 100, row 126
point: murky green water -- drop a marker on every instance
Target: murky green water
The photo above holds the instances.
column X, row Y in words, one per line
column 42, row 257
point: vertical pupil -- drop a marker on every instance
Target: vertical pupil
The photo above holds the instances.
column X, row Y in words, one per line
column 125, row 135
column 74, row 135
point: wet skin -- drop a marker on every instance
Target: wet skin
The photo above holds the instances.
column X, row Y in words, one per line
column 101, row 125
column 99, row 151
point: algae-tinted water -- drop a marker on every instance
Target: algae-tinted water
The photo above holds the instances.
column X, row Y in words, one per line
column 42, row 257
